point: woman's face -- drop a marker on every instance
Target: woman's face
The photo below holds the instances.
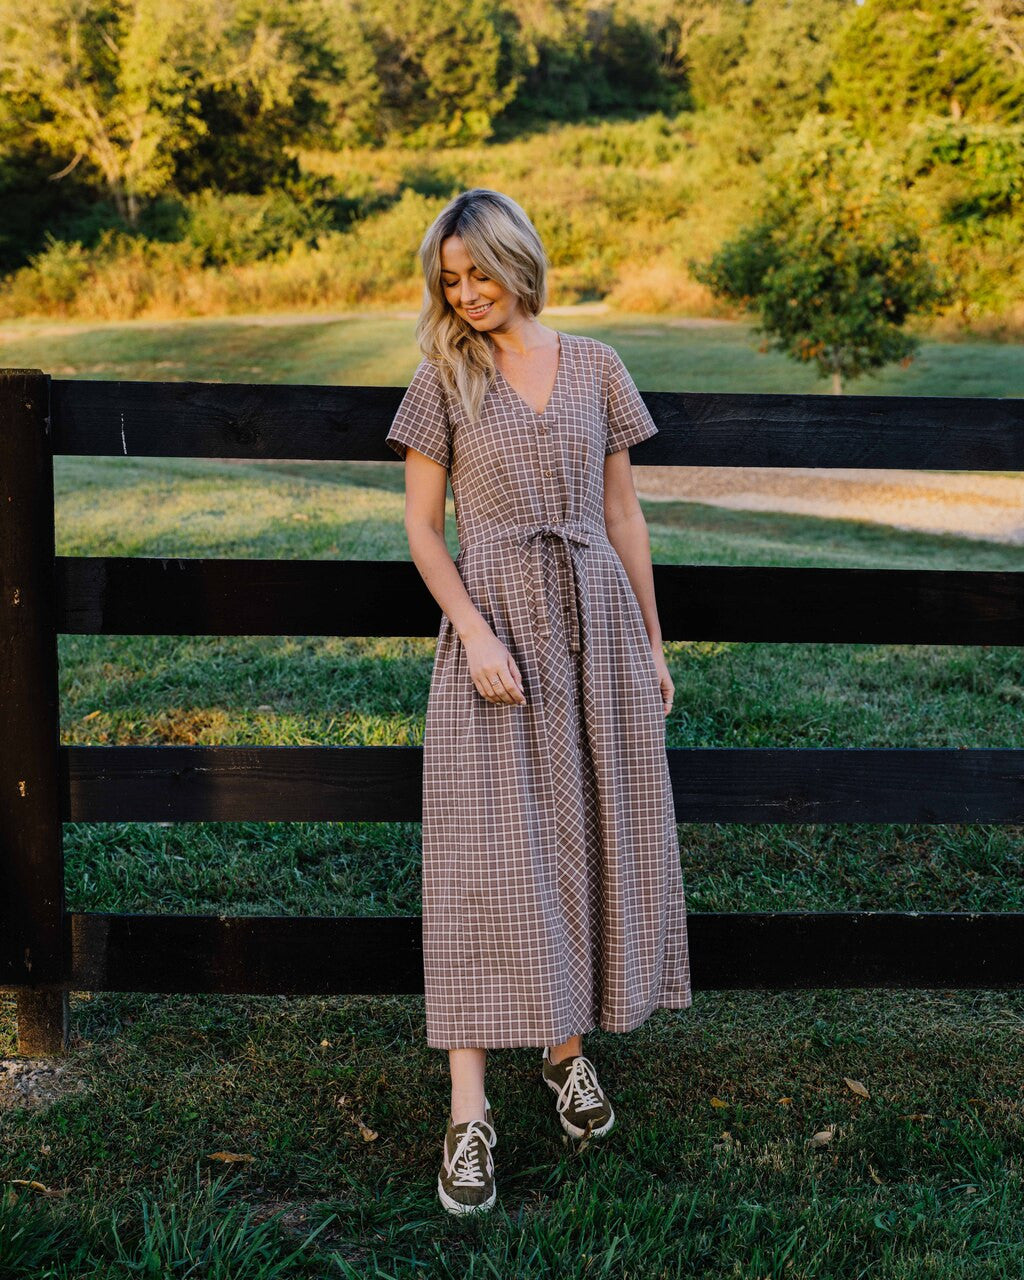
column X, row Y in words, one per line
column 480, row 301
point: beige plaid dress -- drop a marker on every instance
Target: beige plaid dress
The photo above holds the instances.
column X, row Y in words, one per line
column 552, row 889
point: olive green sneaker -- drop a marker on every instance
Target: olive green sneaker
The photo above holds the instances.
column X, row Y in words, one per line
column 583, row 1107
column 466, row 1181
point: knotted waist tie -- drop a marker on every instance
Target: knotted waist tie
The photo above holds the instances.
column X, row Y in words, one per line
column 533, row 538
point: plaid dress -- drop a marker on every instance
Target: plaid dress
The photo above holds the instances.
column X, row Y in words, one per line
column 552, row 889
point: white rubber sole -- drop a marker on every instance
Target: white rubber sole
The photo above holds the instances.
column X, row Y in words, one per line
column 456, row 1206
column 574, row 1131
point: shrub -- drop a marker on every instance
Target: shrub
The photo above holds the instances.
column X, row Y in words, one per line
column 234, row 229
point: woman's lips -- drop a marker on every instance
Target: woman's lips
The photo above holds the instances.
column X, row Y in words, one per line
column 482, row 311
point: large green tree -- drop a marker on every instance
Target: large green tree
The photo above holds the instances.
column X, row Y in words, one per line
column 833, row 266
column 782, row 72
column 765, row 61
column 969, row 179
column 116, row 85
column 899, row 61
column 440, row 69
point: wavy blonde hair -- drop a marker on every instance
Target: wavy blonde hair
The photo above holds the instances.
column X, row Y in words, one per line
column 504, row 245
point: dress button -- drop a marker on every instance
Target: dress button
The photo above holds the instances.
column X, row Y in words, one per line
column 549, row 473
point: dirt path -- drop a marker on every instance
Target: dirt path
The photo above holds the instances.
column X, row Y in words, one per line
column 988, row 507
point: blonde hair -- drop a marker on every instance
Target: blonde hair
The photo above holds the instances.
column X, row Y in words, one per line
column 504, row 245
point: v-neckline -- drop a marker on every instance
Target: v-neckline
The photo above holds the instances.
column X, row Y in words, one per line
column 554, row 385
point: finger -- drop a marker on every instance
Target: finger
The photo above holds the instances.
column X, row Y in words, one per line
column 488, row 688
column 518, row 675
column 504, row 690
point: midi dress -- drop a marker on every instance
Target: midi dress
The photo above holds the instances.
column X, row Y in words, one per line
column 552, row 890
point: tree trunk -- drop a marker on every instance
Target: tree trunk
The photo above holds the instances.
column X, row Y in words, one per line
column 118, row 195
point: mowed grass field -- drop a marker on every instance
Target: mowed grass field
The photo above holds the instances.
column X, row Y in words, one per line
column 337, row 1104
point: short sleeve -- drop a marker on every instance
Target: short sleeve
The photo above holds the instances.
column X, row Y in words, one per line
column 629, row 420
column 422, row 420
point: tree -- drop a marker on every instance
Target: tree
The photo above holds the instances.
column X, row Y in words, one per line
column 440, row 71
column 783, row 71
column 118, row 84
column 897, row 61
column 970, row 179
column 834, row 266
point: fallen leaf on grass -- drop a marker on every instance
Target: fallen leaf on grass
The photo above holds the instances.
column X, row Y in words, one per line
column 230, row 1156
column 36, row 1186
column 822, row 1136
column 368, row 1134
column 856, row 1087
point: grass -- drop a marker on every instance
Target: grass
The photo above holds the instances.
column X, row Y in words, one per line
column 378, row 349
column 337, row 1106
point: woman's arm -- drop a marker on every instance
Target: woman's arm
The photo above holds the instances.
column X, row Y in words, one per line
column 425, row 486
column 628, row 534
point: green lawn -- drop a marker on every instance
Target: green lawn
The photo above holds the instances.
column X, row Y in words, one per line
column 378, row 348
column 709, row 1171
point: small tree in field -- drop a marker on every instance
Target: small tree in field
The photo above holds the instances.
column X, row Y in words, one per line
column 834, row 266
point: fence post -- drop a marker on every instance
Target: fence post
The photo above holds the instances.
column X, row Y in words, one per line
column 32, row 947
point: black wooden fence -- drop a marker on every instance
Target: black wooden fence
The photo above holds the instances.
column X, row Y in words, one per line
column 45, row 950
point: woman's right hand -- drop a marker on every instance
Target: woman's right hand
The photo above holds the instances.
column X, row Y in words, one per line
column 494, row 670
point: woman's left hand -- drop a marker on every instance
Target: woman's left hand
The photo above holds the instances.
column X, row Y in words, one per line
column 664, row 680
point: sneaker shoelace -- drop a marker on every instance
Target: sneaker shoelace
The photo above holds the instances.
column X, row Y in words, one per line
column 465, row 1161
column 580, row 1087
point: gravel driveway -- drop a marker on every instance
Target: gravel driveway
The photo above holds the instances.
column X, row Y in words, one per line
column 977, row 505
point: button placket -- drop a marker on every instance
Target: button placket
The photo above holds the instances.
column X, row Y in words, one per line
column 545, row 448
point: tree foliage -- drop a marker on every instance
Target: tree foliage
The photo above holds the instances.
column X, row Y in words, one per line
column 833, row 266
column 897, row 61
column 119, row 84
column 139, row 116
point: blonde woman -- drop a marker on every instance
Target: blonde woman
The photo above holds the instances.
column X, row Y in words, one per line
column 552, row 890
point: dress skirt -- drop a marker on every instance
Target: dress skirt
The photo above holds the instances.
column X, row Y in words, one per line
column 552, row 890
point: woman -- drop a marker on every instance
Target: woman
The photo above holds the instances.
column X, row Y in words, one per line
column 552, row 892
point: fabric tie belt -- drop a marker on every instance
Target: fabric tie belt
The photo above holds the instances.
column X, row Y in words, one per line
column 533, row 537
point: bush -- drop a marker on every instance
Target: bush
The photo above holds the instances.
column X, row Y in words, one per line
column 58, row 272
column 232, row 230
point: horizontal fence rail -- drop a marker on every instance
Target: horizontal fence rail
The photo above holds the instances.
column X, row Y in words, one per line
column 384, row 784
column 140, row 596
column 237, row 420
column 361, row 955
column 45, row 950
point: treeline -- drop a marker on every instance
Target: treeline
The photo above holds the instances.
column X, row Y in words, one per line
column 192, row 122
